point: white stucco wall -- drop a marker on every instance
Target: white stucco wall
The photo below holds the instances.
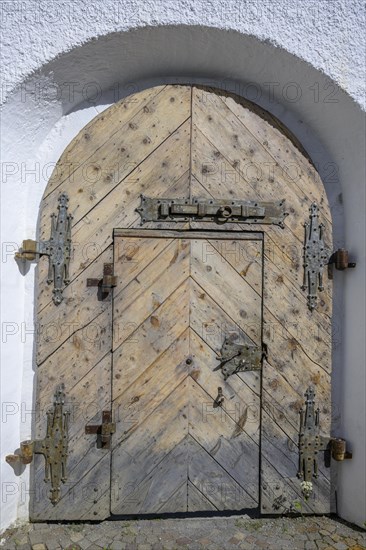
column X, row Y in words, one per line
column 304, row 61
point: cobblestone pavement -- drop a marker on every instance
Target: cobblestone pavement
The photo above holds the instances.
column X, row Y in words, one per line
column 219, row 533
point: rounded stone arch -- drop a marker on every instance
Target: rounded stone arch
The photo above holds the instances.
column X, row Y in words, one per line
column 325, row 129
column 180, row 141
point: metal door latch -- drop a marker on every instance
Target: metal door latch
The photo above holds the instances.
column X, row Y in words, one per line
column 106, row 284
column 219, row 399
column 57, row 248
column 211, row 210
column 103, row 431
column 238, row 358
column 340, row 260
column 311, row 442
column 54, row 447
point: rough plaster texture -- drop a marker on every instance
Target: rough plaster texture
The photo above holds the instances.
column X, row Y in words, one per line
column 72, row 59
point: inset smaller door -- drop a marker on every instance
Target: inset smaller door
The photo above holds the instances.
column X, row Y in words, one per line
column 187, row 439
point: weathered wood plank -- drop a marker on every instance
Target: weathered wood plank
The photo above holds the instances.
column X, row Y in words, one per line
column 139, row 399
column 159, row 486
column 151, row 339
column 136, row 457
column 79, row 309
column 286, row 154
column 149, row 289
column 213, row 481
column 227, row 169
column 197, row 502
column 93, row 234
column 121, row 154
column 133, row 255
column 228, row 289
column 224, row 440
column 236, row 143
column 96, row 133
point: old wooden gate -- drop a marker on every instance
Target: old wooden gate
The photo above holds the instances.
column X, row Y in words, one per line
column 190, row 324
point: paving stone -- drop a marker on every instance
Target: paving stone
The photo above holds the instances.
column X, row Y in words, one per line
column 197, row 534
column 84, row 544
column 75, row 537
column 182, row 541
column 38, row 536
column 39, row 546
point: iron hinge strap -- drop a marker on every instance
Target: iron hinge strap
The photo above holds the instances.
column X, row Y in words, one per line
column 311, row 442
column 54, row 446
column 57, row 248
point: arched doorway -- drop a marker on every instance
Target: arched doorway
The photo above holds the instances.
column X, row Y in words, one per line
column 146, row 357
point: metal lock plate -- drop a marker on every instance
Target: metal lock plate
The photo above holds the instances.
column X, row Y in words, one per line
column 238, row 358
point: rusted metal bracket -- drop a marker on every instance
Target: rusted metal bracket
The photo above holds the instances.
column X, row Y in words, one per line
column 57, row 248
column 106, row 284
column 338, row 448
column 315, row 256
column 54, row 447
column 311, row 442
column 238, row 358
column 211, row 210
column 340, row 260
column 103, row 431
column 219, row 399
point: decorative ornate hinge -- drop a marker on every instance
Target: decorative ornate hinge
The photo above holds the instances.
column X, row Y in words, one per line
column 54, row 447
column 57, row 248
column 211, row 210
column 103, row 431
column 309, row 438
column 315, row 256
column 238, row 358
column 311, row 441
column 106, row 284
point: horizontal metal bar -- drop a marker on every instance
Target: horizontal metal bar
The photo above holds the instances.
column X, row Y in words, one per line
column 189, row 234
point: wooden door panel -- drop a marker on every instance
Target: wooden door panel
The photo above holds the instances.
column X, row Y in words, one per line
column 164, row 369
column 177, row 297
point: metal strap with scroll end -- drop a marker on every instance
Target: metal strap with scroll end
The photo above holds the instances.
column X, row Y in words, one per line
column 238, row 358
column 211, row 210
column 311, row 441
column 309, row 438
column 54, row 446
column 315, row 256
column 57, row 248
